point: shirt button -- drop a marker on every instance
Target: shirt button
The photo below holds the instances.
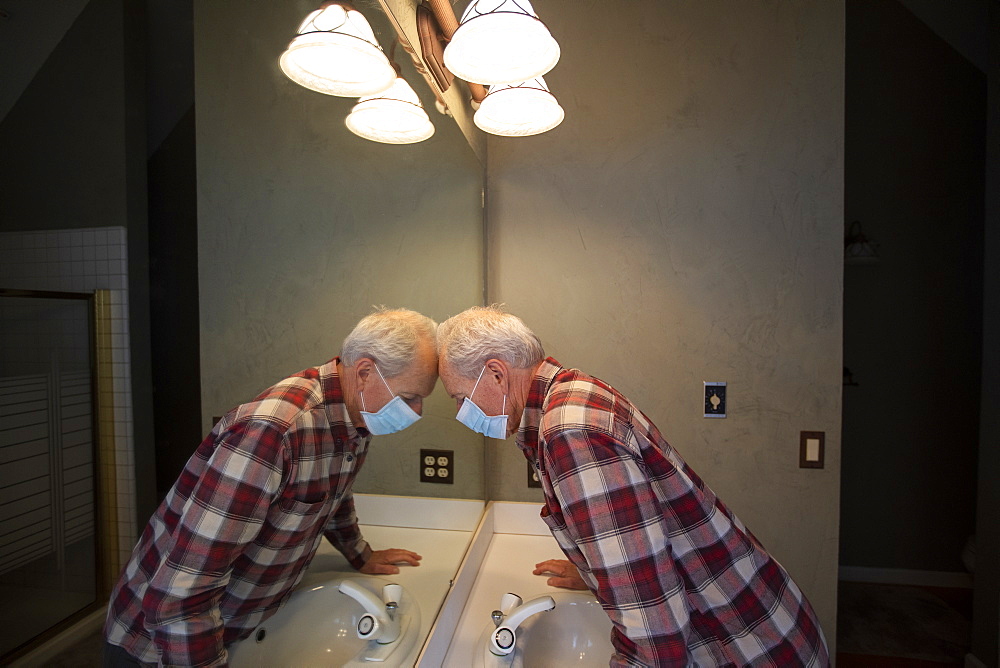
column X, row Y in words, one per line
column 349, row 458
column 338, row 441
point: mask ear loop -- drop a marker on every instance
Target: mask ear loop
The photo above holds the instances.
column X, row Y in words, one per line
column 383, row 380
column 386, row 387
column 477, row 382
column 503, row 410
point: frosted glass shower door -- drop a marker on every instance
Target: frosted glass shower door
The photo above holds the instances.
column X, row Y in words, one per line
column 48, row 544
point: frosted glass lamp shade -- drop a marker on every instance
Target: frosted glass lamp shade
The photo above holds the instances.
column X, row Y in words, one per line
column 335, row 52
column 519, row 110
column 501, row 42
column 394, row 116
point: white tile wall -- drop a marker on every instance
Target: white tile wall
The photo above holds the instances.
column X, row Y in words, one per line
column 85, row 260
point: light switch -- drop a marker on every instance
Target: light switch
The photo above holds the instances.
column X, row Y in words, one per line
column 811, row 447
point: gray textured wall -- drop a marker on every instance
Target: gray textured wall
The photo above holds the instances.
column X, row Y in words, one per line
column 302, row 226
column 685, row 224
column 27, row 37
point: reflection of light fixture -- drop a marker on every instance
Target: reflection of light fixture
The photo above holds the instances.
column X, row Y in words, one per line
column 857, row 248
column 519, row 110
column 394, row 116
column 501, row 42
column 335, row 52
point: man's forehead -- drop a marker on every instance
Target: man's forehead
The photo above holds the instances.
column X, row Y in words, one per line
column 423, row 376
column 456, row 383
column 427, row 383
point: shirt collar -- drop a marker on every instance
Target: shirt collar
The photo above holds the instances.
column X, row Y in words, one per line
column 527, row 433
column 336, row 409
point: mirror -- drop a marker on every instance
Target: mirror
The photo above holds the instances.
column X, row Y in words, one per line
column 303, row 226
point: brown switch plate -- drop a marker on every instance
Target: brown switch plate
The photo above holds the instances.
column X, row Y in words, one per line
column 804, row 438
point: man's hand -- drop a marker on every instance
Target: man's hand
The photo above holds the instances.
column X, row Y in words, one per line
column 565, row 574
column 382, row 562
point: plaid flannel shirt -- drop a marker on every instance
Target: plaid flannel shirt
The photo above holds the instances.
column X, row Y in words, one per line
column 241, row 524
column 683, row 580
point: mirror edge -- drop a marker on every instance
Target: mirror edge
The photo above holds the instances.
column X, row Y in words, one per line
column 403, row 16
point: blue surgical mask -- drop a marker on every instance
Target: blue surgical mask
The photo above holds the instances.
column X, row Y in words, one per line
column 394, row 416
column 473, row 417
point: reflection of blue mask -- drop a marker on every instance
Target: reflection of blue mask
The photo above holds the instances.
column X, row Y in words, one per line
column 473, row 417
column 394, row 416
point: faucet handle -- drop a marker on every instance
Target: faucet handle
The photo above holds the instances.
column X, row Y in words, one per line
column 509, row 601
column 368, row 626
column 504, row 638
column 379, row 621
column 497, row 617
column 391, row 593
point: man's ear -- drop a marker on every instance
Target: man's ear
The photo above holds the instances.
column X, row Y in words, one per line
column 363, row 370
column 497, row 372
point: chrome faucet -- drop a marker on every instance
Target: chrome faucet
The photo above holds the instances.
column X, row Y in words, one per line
column 511, row 614
column 380, row 621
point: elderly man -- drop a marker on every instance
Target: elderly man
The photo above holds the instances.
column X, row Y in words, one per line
column 683, row 580
column 241, row 524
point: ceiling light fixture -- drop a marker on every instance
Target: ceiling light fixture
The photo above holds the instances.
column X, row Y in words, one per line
column 519, row 110
column 335, row 52
column 501, row 42
column 394, row 116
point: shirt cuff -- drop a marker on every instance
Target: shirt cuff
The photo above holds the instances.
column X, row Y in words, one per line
column 361, row 557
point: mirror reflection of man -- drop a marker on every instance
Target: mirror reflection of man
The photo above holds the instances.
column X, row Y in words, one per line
column 244, row 519
column 682, row 579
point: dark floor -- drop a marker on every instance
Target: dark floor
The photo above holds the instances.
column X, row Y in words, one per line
column 896, row 626
column 878, row 626
column 83, row 654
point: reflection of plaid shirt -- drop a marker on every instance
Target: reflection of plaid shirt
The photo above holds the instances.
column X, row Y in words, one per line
column 682, row 579
column 242, row 523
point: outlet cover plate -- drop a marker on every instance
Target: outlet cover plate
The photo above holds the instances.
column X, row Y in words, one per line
column 437, row 466
column 533, row 480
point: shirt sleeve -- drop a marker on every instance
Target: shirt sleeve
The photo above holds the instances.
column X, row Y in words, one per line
column 617, row 538
column 224, row 512
column 344, row 534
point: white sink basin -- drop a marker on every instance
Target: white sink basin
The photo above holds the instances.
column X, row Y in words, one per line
column 318, row 627
column 577, row 633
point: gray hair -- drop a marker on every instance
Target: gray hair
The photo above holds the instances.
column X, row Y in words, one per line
column 481, row 333
column 390, row 337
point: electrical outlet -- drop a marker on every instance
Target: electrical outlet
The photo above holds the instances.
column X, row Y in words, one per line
column 533, row 480
column 437, row 466
column 715, row 399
